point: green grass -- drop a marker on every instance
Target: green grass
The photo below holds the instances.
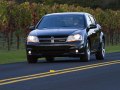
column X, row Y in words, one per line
column 114, row 48
column 12, row 56
column 20, row 55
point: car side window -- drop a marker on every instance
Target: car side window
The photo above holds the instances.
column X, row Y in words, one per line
column 92, row 19
column 88, row 20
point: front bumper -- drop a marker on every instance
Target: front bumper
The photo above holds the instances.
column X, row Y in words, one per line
column 55, row 50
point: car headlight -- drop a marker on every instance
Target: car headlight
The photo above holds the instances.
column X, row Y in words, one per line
column 32, row 39
column 76, row 37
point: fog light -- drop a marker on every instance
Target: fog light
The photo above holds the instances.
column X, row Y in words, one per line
column 76, row 51
column 29, row 52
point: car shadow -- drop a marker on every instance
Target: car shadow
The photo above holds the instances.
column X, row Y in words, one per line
column 65, row 60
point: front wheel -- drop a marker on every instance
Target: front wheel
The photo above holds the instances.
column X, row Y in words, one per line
column 31, row 59
column 86, row 56
column 100, row 55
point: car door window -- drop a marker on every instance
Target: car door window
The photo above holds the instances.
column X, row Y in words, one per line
column 92, row 19
column 88, row 20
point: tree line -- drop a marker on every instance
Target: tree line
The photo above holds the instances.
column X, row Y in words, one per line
column 104, row 4
column 16, row 18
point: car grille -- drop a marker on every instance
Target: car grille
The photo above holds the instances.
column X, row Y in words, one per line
column 53, row 39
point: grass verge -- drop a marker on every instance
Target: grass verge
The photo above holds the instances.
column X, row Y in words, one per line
column 114, row 48
column 12, row 56
column 20, row 55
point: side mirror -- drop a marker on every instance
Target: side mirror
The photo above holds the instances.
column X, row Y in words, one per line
column 31, row 28
column 92, row 26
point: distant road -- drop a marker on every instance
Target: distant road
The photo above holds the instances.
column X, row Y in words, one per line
column 63, row 74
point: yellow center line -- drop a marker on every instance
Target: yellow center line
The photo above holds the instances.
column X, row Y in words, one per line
column 55, row 71
column 40, row 75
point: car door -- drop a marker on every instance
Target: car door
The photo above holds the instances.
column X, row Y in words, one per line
column 93, row 33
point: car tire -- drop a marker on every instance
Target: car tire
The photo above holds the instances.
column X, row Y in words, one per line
column 86, row 56
column 100, row 54
column 31, row 59
column 49, row 59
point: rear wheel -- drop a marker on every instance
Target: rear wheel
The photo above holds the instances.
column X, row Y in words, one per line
column 49, row 59
column 31, row 59
column 100, row 54
column 86, row 56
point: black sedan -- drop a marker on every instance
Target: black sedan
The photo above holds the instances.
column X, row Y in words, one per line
column 70, row 34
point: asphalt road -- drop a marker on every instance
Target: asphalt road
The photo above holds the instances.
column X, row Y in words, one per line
column 63, row 74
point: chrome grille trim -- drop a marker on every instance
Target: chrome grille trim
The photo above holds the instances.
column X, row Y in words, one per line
column 49, row 40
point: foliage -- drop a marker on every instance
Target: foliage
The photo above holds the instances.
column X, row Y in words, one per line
column 15, row 19
column 104, row 4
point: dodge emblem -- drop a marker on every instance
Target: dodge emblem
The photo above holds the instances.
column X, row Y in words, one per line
column 52, row 40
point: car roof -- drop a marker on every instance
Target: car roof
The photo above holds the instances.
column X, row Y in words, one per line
column 64, row 13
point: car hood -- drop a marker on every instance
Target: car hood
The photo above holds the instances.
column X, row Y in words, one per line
column 54, row 32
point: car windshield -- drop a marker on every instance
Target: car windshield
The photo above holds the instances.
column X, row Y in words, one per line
column 62, row 21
